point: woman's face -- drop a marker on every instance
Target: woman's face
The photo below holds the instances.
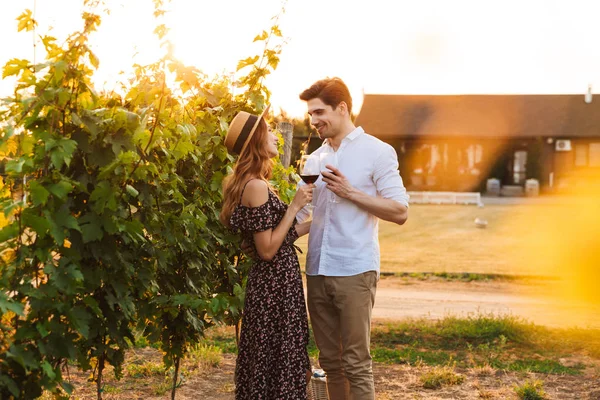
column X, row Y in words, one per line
column 272, row 141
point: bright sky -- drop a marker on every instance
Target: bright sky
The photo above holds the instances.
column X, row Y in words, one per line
column 376, row 46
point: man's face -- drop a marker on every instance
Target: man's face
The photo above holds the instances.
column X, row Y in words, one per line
column 324, row 118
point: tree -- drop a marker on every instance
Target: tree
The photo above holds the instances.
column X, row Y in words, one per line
column 119, row 232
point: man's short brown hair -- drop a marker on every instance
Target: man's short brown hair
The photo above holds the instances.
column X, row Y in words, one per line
column 331, row 91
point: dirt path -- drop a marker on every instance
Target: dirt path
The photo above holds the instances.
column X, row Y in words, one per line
column 536, row 301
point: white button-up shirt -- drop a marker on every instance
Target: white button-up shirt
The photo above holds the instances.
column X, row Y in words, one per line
column 343, row 238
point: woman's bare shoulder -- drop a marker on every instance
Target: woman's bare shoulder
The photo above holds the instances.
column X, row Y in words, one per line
column 256, row 193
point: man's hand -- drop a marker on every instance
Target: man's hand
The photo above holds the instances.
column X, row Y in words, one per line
column 386, row 209
column 248, row 250
column 337, row 182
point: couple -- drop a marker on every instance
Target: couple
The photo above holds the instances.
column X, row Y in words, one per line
column 342, row 266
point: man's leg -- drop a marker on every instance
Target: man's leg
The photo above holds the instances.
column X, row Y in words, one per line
column 354, row 297
column 325, row 321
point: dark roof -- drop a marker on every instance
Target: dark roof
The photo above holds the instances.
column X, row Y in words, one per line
column 395, row 116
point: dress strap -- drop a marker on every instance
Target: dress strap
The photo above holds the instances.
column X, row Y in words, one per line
column 243, row 189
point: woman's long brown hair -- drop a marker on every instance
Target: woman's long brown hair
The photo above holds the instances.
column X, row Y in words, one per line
column 254, row 163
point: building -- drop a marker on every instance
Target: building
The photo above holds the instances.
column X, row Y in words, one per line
column 457, row 142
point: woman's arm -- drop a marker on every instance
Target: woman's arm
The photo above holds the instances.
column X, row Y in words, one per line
column 268, row 242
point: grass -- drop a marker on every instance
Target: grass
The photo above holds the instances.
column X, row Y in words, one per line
column 205, row 356
column 221, row 337
column 110, row 389
column 409, row 355
column 530, row 390
column 437, row 354
column 520, row 240
column 454, row 332
column 162, row 388
column 544, row 366
column 484, row 343
column 442, row 239
column 483, row 370
column 499, row 342
column 441, row 376
column 142, row 342
column 145, row 369
column 465, row 276
column 445, row 239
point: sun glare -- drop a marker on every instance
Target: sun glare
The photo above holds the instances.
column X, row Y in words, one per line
column 562, row 239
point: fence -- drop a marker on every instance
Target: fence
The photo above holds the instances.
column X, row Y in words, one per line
column 445, row 198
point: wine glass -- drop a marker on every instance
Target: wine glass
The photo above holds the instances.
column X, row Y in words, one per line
column 329, row 158
column 310, row 170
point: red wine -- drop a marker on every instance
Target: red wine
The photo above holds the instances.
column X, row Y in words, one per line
column 308, row 179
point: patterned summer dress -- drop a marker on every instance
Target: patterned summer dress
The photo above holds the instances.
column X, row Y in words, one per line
column 272, row 359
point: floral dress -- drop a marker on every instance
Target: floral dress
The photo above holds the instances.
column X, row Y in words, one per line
column 272, row 358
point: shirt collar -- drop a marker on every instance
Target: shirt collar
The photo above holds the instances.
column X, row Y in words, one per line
column 351, row 136
column 355, row 133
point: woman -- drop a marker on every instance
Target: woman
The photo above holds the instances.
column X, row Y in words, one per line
column 272, row 359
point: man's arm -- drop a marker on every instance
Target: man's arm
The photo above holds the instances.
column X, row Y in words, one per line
column 392, row 205
column 303, row 228
column 386, row 209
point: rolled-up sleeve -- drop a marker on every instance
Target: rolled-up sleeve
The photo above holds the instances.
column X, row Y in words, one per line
column 303, row 215
column 387, row 177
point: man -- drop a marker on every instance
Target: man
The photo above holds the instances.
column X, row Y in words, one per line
column 342, row 265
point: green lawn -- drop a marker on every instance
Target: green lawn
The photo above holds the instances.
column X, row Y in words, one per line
column 524, row 239
column 501, row 342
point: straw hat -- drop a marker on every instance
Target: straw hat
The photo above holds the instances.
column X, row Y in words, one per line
column 241, row 129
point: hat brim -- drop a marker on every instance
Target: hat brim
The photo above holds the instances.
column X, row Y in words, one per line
column 265, row 111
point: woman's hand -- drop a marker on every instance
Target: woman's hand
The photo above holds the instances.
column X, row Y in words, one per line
column 248, row 250
column 303, row 196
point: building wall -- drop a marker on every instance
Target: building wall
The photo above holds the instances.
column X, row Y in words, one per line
column 578, row 168
column 465, row 164
column 453, row 164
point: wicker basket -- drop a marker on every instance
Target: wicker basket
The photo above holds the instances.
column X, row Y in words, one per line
column 317, row 388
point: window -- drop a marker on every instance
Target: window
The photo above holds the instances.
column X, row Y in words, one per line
column 581, row 155
column 594, row 155
column 474, row 154
column 474, row 157
column 435, row 158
